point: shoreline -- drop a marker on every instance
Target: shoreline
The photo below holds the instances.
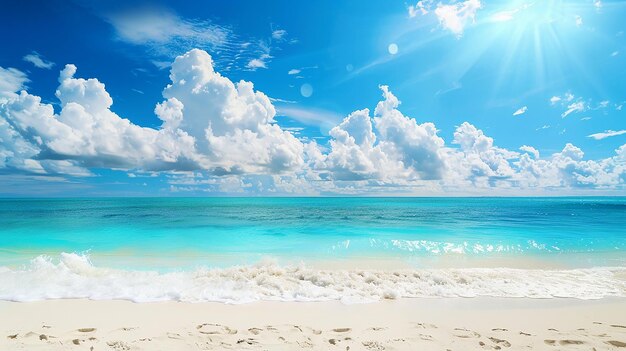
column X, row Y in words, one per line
column 403, row 324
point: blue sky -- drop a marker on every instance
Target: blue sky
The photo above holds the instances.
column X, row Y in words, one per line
column 483, row 98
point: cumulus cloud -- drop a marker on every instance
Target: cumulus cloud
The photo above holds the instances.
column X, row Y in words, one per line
column 209, row 123
column 36, row 59
column 220, row 135
column 520, row 111
column 531, row 150
column 401, row 149
column 390, row 150
column 607, row 134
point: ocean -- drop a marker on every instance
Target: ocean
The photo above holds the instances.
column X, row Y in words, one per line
column 238, row 250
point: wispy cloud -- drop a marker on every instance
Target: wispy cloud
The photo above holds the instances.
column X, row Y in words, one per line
column 571, row 103
column 11, row 80
column 263, row 56
column 520, row 111
column 325, row 120
column 38, row 61
column 607, row 134
column 453, row 17
column 163, row 28
column 165, row 35
column 279, row 34
column 578, row 106
column 296, row 71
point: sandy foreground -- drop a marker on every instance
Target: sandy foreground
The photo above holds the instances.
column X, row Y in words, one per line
column 407, row 324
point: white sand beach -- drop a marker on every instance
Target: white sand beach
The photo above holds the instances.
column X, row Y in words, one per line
column 405, row 324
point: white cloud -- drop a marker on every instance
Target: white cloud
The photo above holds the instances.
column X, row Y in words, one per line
column 165, row 35
column 454, row 17
column 217, row 135
column 279, row 34
column 293, row 71
column 36, row 59
column 421, row 8
column 520, row 111
column 159, row 26
column 607, row 134
column 579, row 20
column 263, row 58
column 11, row 81
column 614, row 53
column 209, row 123
column 578, row 106
column 256, row 63
column 531, row 150
column 570, row 103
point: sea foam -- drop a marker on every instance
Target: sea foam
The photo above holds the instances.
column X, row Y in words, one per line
column 74, row 276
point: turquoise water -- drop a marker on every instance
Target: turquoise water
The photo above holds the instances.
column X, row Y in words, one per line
column 242, row 230
column 238, row 250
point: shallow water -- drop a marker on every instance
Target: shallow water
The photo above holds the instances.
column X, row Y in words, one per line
column 186, row 248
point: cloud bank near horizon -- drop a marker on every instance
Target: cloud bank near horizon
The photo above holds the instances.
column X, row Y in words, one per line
column 217, row 135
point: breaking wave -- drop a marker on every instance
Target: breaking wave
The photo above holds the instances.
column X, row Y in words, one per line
column 74, row 276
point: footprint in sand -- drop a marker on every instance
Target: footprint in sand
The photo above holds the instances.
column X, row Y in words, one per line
column 525, row 334
column 43, row 337
column 208, row 328
column 174, row 336
column 87, row 330
column 14, row 336
column 76, row 342
column 248, row 341
column 500, row 342
column 425, row 337
column 550, row 342
column 373, row 345
column 571, row 342
column 118, row 345
column 616, row 343
column 425, row 326
column 255, row 331
column 465, row 333
column 618, row 326
column 341, row 330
